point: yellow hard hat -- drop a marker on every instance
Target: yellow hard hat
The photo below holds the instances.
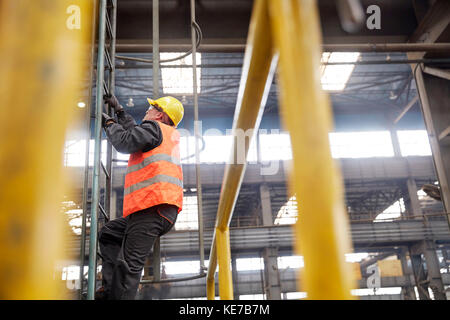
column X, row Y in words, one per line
column 171, row 106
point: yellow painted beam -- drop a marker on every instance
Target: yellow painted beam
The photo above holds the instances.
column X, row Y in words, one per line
column 257, row 74
column 224, row 259
column 210, row 289
column 322, row 229
column 40, row 68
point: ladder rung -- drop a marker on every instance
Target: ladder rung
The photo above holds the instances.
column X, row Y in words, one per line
column 109, row 27
column 108, row 60
column 105, row 170
column 105, row 87
column 119, row 160
column 100, row 255
column 103, row 212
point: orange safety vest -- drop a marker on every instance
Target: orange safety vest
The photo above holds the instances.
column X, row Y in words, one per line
column 155, row 177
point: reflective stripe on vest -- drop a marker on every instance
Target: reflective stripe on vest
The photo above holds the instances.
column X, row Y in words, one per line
column 155, row 177
column 149, row 182
column 152, row 159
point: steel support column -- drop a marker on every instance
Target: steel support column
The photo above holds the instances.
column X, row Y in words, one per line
column 434, row 93
column 431, row 277
column 410, row 199
column 197, row 135
column 408, row 291
column 155, row 16
column 435, row 100
column 266, row 206
column 272, row 283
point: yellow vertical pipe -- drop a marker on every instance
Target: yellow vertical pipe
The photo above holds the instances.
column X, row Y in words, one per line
column 257, row 74
column 210, row 289
column 224, row 258
column 322, row 228
column 40, row 69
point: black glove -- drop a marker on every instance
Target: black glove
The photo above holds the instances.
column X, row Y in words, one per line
column 112, row 101
column 106, row 118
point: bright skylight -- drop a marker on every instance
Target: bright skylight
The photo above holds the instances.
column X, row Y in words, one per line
column 72, row 272
column 246, row 264
column 179, row 80
column 356, row 257
column 290, row 262
column 258, row 296
column 287, row 213
column 335, row 77
column 74, row 153
column 182, row 267
column 361, row 144
column 188, row 218
column 414, row 143
column 392, row 212
column 296, row 295
column 379, row 291
column 275, row 146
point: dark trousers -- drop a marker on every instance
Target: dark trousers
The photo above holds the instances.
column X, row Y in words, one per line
column 125, row 244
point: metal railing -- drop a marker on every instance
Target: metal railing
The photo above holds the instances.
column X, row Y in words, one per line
column 289, row 31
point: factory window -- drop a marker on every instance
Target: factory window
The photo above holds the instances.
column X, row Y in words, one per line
column 295, row 295
column 414, row 143
column 248, row 264
column 72, row 272
column 183, row 267
column 393, row 211
column 335, row 77
column 288, row 212
column 275, row 147
column 75, row 150
column 295, row 262
column 361, row 144
column 290, row 262
column 179, row 80
column 195, row 298
column 217, row 149
column 188, row 218
column 187, row 149
column 356, row 257
column 252, row 297
column 376, row 291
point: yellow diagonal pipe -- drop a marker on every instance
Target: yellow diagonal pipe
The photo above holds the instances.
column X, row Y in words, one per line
column 40, row 68
column 322, row 228
column 257, row 75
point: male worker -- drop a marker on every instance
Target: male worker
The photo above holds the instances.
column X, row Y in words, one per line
column 153, row 192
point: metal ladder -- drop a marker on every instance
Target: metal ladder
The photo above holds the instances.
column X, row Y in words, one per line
column 105, row 81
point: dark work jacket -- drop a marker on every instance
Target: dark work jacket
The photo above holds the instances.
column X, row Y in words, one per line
column 128, row 137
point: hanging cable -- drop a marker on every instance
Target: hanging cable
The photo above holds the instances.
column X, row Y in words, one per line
column 199, row 34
